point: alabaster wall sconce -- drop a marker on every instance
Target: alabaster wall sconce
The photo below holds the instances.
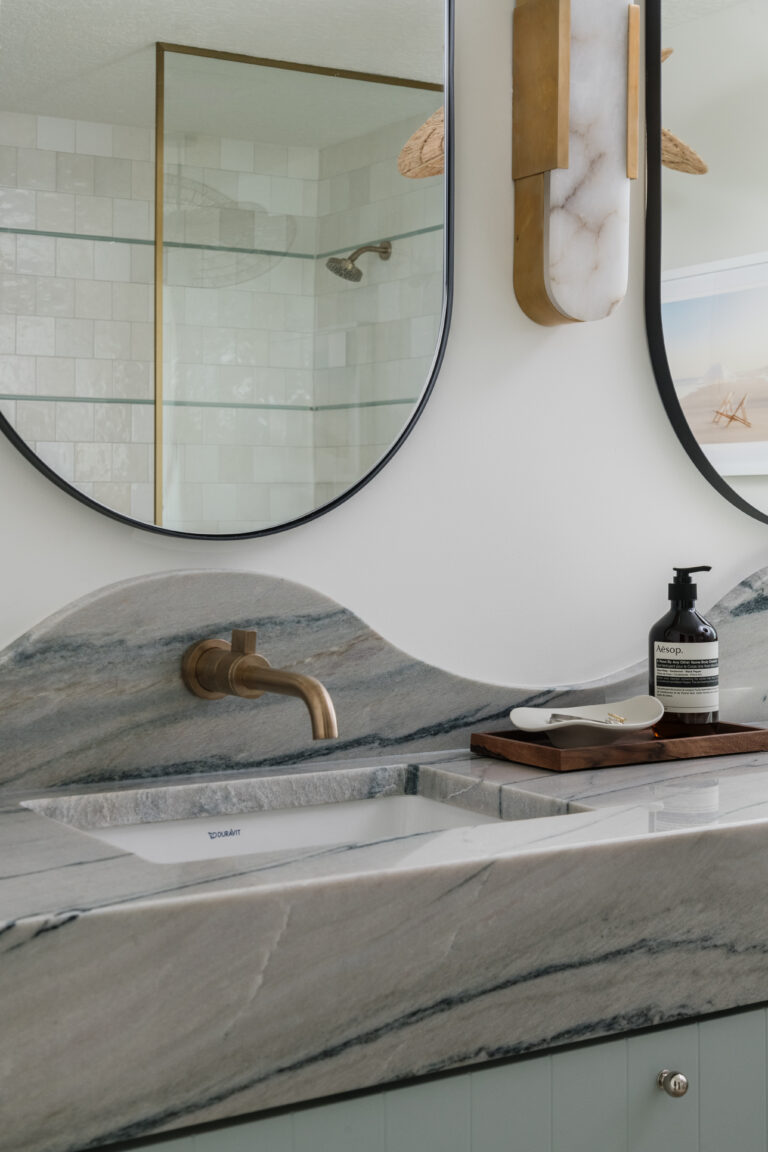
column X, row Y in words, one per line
column 574, row 152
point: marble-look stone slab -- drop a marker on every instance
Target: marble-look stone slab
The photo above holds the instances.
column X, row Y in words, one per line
column 237, row 795
column 741, row 620
column 95, row 693
column 196, row 992
column 587, row 254
column 139, row 997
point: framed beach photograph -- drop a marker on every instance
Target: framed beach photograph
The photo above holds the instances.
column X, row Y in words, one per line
column 715, row 319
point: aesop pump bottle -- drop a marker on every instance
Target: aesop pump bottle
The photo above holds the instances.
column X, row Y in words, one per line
column 683, row 656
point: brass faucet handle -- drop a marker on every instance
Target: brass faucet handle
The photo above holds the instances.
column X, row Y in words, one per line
column 244, row 641
column 213, row 669
column 193, row 662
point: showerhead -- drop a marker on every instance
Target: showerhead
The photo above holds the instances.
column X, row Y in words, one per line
column 345, row 267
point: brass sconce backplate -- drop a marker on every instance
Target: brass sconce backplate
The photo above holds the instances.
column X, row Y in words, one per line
column 575, row 143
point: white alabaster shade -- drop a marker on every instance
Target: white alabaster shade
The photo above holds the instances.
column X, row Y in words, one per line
column 587, row 246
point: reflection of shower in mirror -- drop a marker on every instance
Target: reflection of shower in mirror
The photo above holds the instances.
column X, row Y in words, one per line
column 255, row 240
column 345, row 266
column 209, row 375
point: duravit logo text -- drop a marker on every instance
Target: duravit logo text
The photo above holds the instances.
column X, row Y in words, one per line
column 224, row 832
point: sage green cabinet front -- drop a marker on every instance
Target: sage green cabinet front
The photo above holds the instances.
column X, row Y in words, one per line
column 600, row 1098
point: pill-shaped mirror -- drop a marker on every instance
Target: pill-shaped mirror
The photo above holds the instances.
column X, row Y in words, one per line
column 223, row 305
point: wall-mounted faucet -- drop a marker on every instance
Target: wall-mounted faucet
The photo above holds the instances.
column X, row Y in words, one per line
column 214, row 669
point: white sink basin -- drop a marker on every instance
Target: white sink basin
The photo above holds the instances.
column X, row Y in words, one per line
column 288, row 829
column 207, row 819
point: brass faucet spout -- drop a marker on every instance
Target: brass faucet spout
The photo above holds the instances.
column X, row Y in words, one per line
column 214, row 669
column 311, row 691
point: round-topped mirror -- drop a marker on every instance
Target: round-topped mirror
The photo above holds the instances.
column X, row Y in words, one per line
column 707, row 236
column 225, row 245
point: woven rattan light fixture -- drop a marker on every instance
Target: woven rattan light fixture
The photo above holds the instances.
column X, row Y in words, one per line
column 424, row 153
column 675, row 153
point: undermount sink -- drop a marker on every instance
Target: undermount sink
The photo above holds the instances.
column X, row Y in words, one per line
column 288, row 829
column 292, row 813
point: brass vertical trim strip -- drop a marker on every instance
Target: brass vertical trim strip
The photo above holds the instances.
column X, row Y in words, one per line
column 563, row 21
column 541, row 101
column 541, row 66
column 159, row 193
column 633, row 90
column 531, row 215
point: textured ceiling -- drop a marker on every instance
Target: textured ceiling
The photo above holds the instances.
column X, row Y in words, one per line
column 94, row 59
column 676, row 12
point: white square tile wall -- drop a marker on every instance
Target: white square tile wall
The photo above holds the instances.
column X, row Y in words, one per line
column 264, row 353
column 77, row 299
column 375, row 339
column 238, row 333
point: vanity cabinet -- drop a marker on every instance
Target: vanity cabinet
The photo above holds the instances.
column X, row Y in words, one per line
column 598, row 1098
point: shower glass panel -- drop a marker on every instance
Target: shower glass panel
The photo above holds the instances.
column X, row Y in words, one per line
column 285, row 370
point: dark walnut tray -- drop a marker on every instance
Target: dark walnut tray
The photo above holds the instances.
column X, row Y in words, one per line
column 665, row 741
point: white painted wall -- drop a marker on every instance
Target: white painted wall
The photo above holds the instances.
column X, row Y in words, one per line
column 525, row 532
column 714, row 81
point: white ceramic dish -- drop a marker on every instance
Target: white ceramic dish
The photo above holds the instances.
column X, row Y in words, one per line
column 590, row 723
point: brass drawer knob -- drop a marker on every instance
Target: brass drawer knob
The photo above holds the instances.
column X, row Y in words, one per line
column 673, row 1083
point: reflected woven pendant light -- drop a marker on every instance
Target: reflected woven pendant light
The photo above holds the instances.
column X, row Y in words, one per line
column 424, row 153
column 675, row 153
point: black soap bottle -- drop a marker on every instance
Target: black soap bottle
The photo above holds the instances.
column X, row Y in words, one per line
column 683, row 657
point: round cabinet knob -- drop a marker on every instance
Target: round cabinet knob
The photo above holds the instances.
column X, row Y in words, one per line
column 673, row 1083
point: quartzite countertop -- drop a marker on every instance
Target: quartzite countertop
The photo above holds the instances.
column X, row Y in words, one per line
column 141, row 997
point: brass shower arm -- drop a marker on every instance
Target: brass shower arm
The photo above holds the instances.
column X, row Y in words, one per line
column 384, row 250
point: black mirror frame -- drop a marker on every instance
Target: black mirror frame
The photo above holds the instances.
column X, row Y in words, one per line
column 445, row 319
column 653, row 225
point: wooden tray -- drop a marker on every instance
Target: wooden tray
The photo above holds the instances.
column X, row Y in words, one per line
column 665, row 741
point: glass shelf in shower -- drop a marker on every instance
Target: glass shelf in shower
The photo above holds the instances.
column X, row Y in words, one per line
column 238, row 404
column 188, row 246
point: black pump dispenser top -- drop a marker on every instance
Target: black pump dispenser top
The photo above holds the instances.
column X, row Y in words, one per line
column 683, row 588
